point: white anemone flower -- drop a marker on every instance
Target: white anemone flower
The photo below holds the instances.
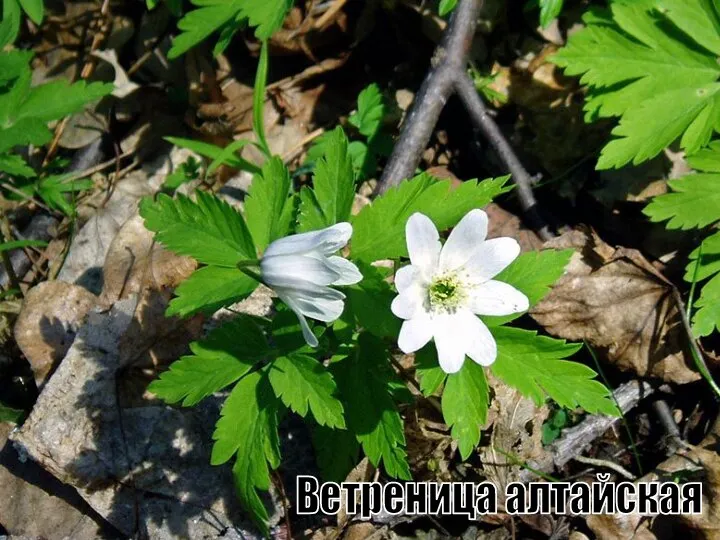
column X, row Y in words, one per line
column 300, row 269
column 446, row 286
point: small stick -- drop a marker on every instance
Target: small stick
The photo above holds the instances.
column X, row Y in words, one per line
column 622, row 471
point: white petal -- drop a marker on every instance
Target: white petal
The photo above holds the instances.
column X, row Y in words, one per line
column 497, row 298
column 310, row 338
column 406, row 276
column 465, row 238
column 415, row 333
column 406, row 304
column 320, row 309
column 349, row 273
column 481, row 346
column 450, row 341
column 325, row 241
column 293, row 270
column 423, row 243
column 492, row 257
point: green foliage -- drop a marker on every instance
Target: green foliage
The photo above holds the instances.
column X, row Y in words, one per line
column 364, row 379
column 549, row 11
column 269, row 204
column 25, row 112
column 330, row 200
column 247, row 429
column 428, row 370
column 554, row 425
column 532, row 273
column 209, row 289
column 188, row 171
column 369, row 303
column 653, row 63
column 212, row 15
column 379, row 228
column 535, row 366
column 302, row 382
column 694, row 201
column 209, row 229
column 370, row 111
column 706, row 260
column 465, row 405
column 227, row 354
column 11, row 15
column 259, row 98
column 336, row 450
column 8, row 414
column 446, row 6
column 215, row 153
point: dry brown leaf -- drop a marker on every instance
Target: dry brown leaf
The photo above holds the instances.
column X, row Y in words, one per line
column 51, row 315
column 504, row 223
column 615, row 300
column 516, row 429
column 699, row 463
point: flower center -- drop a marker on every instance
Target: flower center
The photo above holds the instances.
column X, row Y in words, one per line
column 446, row 293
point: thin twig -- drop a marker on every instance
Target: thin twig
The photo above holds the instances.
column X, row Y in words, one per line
column 411, row 380
column 449, row 58
column 479, row 113
column 448, row 74
column 5, row 256
column 622, row 471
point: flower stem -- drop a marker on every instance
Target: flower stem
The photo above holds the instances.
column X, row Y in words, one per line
column 248, row 262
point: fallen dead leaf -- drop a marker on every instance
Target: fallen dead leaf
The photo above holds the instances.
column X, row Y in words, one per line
column 52, row 313
column 614, row 299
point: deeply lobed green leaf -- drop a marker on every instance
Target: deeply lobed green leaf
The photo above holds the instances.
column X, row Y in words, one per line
column 379, row 228
column 208, row 229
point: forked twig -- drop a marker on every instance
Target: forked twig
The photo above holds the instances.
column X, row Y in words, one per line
column 448, row 75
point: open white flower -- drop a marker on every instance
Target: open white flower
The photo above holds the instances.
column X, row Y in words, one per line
column 445, row 287
column 300, row 268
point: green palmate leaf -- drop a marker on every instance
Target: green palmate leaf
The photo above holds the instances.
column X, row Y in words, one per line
column 209, row 229
column 707, row 315
column 300, row 382
column 534, row 365
column 269, row 204
column 248, row 429
column 693, row 202
column 428, row 370
column 370, row 111
column 25, row 111
column 369, row 302
column 198, row 24
column 465, row 405
column 213, row 15
column 267, row 16
column 336, row 451
column 209, row 289
column 532, row 273
column 219, row 360
column 653, row 64
column 331, row 198
column 707, row 159
column 214, row 153
column 370, row 411
column 379, row 228
column 549, row 11
column 15, row 165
